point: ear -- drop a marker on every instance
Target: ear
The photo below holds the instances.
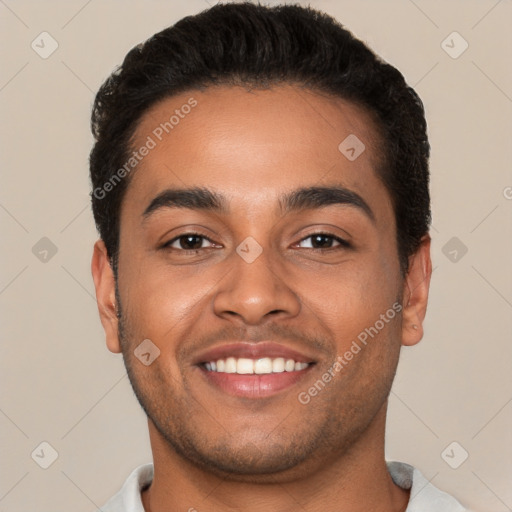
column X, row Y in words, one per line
column 415, row 293
column 104, row 283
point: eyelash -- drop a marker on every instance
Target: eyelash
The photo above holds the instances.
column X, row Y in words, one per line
column 343, row 244
column 168, row 244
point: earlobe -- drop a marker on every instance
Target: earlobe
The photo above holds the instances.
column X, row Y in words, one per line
column 415, row 293
column 104, row 282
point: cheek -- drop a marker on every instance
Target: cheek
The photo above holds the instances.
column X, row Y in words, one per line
column 161, row 303
column 350, row 298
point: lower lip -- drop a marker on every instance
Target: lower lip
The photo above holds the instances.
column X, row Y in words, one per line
column 254, row 386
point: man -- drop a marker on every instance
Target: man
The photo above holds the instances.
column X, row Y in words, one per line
column 260, row 185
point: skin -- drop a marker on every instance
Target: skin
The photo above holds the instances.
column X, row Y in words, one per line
column 213, row 451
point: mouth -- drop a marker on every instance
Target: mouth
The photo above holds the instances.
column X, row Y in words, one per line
column 263, row 366
column 254, row 370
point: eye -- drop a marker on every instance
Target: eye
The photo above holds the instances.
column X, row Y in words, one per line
column 189, row 242
column 322, row 241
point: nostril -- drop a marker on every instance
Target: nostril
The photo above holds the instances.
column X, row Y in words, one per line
column 275, row 311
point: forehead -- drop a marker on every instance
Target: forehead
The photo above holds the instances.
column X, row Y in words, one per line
column 254, row 145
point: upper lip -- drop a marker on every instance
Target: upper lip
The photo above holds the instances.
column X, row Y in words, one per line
column 252, row 350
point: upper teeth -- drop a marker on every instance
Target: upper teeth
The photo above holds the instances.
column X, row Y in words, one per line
column 243, row 365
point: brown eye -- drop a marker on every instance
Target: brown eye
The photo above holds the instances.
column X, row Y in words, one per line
column 191, row 242
column 322, row 241
column 188, row 242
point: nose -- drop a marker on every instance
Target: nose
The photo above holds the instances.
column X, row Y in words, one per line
column 256, row 292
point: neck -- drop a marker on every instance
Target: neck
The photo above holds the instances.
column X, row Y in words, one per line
column 354, row 481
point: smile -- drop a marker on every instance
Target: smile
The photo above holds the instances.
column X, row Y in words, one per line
column 262, row 366
column 254, row 370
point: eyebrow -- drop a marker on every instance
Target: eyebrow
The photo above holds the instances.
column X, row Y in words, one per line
column 196, row 198
column 319, row 197
column 200, row 198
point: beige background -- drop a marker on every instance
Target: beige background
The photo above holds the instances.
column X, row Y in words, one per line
column 59, row 384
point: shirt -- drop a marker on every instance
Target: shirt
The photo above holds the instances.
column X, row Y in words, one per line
column 424, row 496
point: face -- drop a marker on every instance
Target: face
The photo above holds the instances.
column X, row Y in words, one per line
column 260, row 260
